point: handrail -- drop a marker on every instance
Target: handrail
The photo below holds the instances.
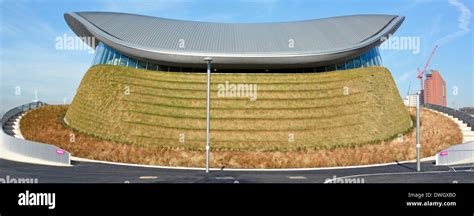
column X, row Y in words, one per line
column 464, row 117
column 25, row 107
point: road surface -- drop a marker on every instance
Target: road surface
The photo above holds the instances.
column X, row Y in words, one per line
column 91, row 172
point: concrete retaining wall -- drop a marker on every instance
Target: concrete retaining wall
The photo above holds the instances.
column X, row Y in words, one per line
column 461, row 154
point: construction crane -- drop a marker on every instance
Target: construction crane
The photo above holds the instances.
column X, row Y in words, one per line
column 422, row 72
column 408, row 92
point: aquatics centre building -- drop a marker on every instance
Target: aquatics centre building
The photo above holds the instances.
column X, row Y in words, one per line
column 321, row 83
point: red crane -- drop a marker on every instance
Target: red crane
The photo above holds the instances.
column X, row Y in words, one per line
column 422, row 72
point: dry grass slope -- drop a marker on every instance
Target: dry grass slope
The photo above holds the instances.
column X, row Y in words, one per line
column 167, row 110
column 44, row 125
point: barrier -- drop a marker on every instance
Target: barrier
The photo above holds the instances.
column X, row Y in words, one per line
column 12, row 148
column 457, row 156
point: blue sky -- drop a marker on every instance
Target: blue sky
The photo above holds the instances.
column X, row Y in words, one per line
column 29, row 60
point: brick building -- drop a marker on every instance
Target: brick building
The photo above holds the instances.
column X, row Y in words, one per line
column 434, row 88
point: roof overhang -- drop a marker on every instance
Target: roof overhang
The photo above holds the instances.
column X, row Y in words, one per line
column 83, row 27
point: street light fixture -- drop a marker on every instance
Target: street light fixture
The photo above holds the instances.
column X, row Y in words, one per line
column 208, row 113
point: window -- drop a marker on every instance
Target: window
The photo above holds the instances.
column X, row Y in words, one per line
column 374, row 52
column 123, row 61
column 152, row 66
column 199, row 70
column 357, row 63
column 372, row 58
column 350, row 64
column 132, row 63
column 116, row 59
column 363, row 59
column 163, row 68
column 107, row 55
column 141, row 64
column 367, row 59
column 174, row 69
column 95, row 54
column 341, row 66
column 186, row 69
column 104, row 56
column 110, row 57
column 320, row 69
column 331, row 67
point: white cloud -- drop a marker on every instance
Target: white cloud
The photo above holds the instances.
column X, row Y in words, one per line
column 8, row 29
column 464, row 20
column 464, row 16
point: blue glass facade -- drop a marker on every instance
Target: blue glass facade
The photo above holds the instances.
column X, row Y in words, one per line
column 106, row 55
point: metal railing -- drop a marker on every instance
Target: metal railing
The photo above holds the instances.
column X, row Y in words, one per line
column 19, row 109
column 12, row 148
column 464, row 117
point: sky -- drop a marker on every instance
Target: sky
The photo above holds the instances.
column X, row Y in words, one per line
column 31, row 67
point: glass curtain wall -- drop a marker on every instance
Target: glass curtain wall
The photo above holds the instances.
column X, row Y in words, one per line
column 106, row 55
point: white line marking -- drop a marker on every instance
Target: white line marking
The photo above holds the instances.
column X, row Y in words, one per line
column 225, row 178
column 296, row 177
column 148, row 177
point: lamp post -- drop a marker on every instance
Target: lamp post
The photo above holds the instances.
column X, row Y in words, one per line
column 208, row 112
column 418, row 167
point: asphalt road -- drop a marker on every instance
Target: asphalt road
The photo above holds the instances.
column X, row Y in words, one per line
column 87, row 172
